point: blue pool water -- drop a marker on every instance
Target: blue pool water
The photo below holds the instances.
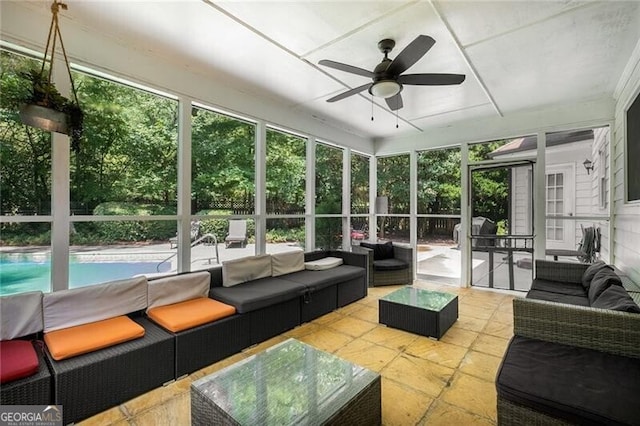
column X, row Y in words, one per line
column 17, row 277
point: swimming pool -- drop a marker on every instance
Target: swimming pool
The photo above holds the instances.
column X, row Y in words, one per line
column 20, row 276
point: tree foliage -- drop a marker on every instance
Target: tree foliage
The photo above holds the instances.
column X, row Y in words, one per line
column 128, row 156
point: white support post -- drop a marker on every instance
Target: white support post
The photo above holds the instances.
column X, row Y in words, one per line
column 611, row 212
column 465, row 218
column 310, row 195
column 261, row 188
column 60, row 199
column 346, row 199
column 184, row 184
column 373, row 193
column 539, row 200
column 413, row 207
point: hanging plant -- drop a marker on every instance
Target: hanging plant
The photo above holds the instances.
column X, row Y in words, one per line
column 46, row 108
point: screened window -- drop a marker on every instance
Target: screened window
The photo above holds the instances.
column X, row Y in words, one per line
column 328, row 179
column 285, row 172
column 393, row 185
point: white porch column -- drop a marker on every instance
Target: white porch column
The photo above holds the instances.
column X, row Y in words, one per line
column 539, row 197
column 60, row 197
column 465, row 218
column 373, row 193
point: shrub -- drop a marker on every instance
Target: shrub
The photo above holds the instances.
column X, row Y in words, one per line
column 110, row 232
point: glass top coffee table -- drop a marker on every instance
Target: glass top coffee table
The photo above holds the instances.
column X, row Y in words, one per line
column 290, row 383
column 424, row 312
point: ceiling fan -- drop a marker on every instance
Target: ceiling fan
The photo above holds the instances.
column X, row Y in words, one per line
column 387, row 75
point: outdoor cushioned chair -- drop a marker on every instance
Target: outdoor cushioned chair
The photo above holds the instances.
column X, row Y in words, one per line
column 24, row 376
column 181, row 305
column 100, row 349
column 389, row 264
column 237, row 233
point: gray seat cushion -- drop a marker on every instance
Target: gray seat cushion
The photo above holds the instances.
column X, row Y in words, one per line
column 389, row 265
column 317, row 280
column 580, row 385
column 571, row 289
column 253, row 295
column 558, row 297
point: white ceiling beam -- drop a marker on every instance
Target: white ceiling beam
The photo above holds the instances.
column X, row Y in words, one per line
column 462, row 52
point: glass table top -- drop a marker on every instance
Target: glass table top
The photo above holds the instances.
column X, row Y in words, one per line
column 290, row 383
column 419, row 298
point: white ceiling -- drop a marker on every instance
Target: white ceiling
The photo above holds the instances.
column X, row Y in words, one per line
column 517, row 55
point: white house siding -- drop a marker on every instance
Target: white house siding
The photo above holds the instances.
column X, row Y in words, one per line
column 521, row 196
column 626, row 231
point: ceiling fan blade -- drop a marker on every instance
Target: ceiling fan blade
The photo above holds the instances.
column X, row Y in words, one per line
column 349, row 92
column 410, row 55
column 395, row 102
column 431, row 79
column 346, row 68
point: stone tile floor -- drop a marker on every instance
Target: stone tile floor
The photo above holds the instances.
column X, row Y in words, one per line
column 424, row 381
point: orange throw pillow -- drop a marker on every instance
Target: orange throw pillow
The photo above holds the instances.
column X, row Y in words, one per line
column 190, row 313
column 81, row 339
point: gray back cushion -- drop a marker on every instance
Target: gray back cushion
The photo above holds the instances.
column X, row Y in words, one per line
column 604, row 279
column 591, row 271
column 77, row 306
column 616, row 297
column 20, row 314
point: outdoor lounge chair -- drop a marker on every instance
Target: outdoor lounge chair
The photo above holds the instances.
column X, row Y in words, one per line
column 237, row 233
column 588, row 248
column 195, row 233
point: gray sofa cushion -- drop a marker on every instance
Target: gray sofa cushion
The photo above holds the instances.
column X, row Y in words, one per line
column 317, row 280
column 253, row 295
column 602, row 280
column 389, row 265
column 558, row 297
column 591, row 271
column 571, row 289
column 550, row 378
column 616, row 297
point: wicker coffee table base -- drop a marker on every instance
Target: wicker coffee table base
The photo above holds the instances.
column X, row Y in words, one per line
column 418, row 320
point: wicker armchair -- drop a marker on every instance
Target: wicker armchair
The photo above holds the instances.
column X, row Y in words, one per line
column 601, row 330
column 379, row 276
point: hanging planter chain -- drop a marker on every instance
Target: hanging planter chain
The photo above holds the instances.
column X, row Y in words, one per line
column 47, row 109
column 54, row 33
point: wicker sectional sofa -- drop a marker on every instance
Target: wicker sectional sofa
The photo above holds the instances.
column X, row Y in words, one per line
column 573, row 359
column 275, row 303
column 253, row 310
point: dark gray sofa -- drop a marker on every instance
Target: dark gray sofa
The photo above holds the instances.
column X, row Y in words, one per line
column 273, row 305
column 570, row 361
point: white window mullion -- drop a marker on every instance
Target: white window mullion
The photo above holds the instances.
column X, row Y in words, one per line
column 413, row 206
column 310, row 195
column 184, row 184
column 261, row 188
column 346, row 198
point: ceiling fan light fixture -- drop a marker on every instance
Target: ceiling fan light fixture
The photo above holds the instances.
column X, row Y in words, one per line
column 385, row 88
